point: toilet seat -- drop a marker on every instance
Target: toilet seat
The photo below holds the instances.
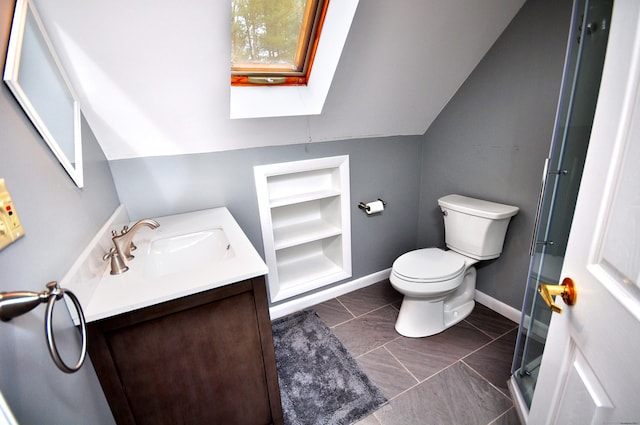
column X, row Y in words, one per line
column 428, row 265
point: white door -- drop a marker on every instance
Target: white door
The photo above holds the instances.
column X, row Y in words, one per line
column 590, row 371
column 6, row 417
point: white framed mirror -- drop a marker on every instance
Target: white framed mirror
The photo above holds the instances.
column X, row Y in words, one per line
column 37, row 80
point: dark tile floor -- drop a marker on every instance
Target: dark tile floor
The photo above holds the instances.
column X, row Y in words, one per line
column 458, row 377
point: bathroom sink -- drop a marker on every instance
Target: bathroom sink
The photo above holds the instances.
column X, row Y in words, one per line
column 186, row 254
column 188, row 251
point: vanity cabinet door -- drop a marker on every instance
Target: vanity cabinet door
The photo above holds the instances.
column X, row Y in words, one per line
column 203, row 359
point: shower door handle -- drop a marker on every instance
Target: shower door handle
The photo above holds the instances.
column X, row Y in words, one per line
column 536, row 221
column 567, row 290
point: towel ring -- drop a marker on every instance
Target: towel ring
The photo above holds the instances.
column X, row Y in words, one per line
column 14, row 304
column 57, row 293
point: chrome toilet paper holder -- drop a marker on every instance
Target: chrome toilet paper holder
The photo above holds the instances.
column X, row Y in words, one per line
column 365, row 207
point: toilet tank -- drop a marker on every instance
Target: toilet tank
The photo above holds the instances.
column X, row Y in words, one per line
column 473, row 227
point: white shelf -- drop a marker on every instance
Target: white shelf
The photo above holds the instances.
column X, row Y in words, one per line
column 306, row 226
column 303, row 197
column 296, row 274
column 300, row 233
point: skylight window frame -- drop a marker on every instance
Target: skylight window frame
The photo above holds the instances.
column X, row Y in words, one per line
column 262, row 101
column 252, row 74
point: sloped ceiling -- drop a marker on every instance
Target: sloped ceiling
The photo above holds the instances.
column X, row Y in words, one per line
column 153, row 75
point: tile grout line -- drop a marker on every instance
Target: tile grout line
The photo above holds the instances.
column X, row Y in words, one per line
column 389, row 304
column 383, row 346
column 377, row 347
column 500, row 416
column 376, row 416
column 485, row 345
column 346, row 308
column 477, row 328
column 423, row 381
column 485, row 379
column 493, row 421
column 341, row 323
column 487, row 333
column 363, row 314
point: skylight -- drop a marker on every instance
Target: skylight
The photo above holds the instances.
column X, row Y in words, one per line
column 279, row 100
column 274, row 41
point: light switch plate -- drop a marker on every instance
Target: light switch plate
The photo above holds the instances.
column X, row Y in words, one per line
column 10, row 226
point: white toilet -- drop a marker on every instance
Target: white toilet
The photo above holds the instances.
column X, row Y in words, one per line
column 439, row 286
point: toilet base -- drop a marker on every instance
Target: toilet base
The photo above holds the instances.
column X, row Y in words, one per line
column 419, row 317
column 457, row 314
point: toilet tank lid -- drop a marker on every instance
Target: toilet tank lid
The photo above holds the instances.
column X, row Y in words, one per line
column 477, row 207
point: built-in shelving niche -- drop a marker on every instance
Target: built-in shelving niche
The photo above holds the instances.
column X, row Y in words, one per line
column 306, row 224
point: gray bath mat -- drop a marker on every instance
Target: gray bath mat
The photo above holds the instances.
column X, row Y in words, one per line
column 320, row 383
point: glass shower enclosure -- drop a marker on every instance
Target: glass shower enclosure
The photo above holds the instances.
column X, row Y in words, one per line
column 562, row 173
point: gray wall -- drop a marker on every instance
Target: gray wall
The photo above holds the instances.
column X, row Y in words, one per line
column 490, row 141
column 59, row 221
column 388, row 168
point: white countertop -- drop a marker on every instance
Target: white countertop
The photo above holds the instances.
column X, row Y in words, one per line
column 105, row 295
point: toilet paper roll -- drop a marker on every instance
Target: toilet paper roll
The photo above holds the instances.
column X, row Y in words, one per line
column 374, row 207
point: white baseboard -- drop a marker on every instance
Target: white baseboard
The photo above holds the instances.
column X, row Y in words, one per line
column 296, row 304
column 537, row 329
column 306, row 301
column 498, row 306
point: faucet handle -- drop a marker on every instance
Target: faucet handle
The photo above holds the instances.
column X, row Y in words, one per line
column 117, row 264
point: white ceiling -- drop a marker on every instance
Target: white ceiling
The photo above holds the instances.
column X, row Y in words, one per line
column 153, row 75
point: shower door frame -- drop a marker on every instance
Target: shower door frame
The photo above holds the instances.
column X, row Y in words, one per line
column 558, row 195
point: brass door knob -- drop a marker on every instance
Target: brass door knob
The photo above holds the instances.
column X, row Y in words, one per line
column 566, row 290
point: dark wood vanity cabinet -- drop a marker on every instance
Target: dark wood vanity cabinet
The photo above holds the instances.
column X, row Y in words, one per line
column 206, row 358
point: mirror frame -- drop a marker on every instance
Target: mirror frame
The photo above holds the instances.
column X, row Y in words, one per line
column 11, row 77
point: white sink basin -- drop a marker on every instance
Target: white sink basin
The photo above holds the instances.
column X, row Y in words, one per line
column 177, row 254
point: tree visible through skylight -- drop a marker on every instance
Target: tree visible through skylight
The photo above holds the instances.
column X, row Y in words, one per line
column 266, row 31
column 274, row 37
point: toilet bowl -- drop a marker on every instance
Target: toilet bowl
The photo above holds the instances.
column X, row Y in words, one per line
column 438, row 288
column 439, row 285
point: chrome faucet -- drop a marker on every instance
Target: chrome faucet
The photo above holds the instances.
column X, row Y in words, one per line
column 123, row 245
